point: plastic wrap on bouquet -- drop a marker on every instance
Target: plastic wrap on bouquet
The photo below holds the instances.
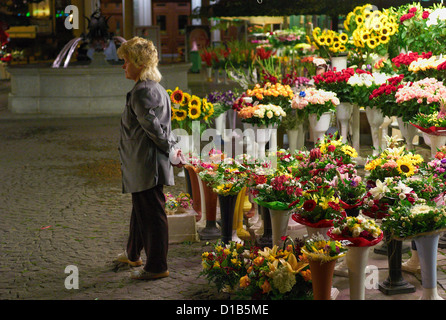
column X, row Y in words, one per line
column 325, row 223
column 356, row 241
column 435, row 131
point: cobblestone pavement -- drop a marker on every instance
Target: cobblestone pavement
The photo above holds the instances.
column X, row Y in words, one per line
column 61, row 205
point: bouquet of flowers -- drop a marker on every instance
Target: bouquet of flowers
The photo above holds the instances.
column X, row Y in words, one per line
column 318, row 208
column 429, row 186
column 276, row 274
column 423, row 96
column 223, row 265
column 187, row 108
column 386, row 194
column 261, row 114
column 319, row 249
column 363, row 83
column 287, row 37
column 350, row 189
column 178, row 204
column 336, row 82
column 393, row 162
column 360, row 231
column 428, row 67
column 339, row 150
column 228, row 178
column 409, row 220
column 330, row 43
column 420, row 29
column 276, row 191
column 371, row 30
column 383, row 97
column 401, row 62
column 276, row 94
column 222, row 101
column 314, row 101
column 319, row 169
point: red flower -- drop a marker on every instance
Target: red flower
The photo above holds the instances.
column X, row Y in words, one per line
column 425, row 14
column 331, row 148
column 309, row 205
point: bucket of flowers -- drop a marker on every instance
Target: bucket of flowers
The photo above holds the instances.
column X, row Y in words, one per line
column 385, row 195
column 422, row 222
column 318, row 207
column 322, row 255
column 182, row 203
column 275, row 274
column 223, row 265
column 361, row 233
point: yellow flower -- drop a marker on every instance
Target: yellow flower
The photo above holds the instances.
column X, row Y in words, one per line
column 343, row 38
column 194, row 111
column 180, row 114
column 405, row 167
column 186, row 99
column 359, row 19
column 177, row 96
column 194, row 101
column 244, row 281
column 350, row 151
column 371, row 165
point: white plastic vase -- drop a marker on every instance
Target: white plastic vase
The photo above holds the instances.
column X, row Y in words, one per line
column 375, row 118
column 357, row 258
column 434, row 142
column 408, row 132
column 279, row 225
column 338, row 63
column 263, row 135
column 296, row 138
column 427, row 252
column 343, row 114
column 220, row 124
column 319, row 127
column 314, row 231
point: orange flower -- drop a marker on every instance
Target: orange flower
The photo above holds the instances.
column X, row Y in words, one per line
column 258, row 261
column 244, row 281
column 266, row 287
column 306, row 274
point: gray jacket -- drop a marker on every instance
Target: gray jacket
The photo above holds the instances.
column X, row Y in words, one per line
column 146, row 138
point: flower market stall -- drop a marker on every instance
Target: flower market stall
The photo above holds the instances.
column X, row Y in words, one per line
column 312, row 86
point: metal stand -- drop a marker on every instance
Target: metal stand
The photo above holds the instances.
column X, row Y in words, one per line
column 266, row 240
column 395, row 284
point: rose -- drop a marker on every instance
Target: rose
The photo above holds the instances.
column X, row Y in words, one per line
column 309, row 205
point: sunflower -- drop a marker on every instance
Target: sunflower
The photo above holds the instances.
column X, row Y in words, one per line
column 169, row 92
column 194, row 102
column 186, row 99
column 177, row 96
column 385, row 30
column 180, row 114
column 364, row 35
column 359, row 20
column 209, row 111
column 372, row 43
column 194, row 111
column 371, row 165
column 174, row 115
column 343, row 38
column 384, row 39
column 405, row 166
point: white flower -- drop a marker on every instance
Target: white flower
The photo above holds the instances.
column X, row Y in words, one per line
column 379, row 190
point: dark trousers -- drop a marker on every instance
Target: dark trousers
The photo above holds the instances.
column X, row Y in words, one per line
column 149, row 229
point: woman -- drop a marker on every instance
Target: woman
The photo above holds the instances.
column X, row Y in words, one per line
column 147, row 154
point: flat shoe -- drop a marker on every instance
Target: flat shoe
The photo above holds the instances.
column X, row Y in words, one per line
column 146, row 275
column 124, row 259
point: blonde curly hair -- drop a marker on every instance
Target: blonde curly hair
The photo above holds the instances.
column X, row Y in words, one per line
column 142, row 52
